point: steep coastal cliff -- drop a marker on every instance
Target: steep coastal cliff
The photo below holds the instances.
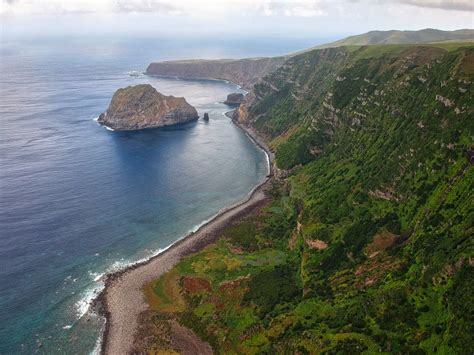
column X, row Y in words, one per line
column 367, row 244
column 244, row 72
column 141, row 106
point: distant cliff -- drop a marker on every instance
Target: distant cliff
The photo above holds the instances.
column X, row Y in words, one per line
column 427, row 35
column 234, row 99
column 244, row 72
column 247, row 72
column 141, row 106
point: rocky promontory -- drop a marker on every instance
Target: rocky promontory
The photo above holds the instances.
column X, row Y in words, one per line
column 244, row 72
column 234, row 99
column 142, row 106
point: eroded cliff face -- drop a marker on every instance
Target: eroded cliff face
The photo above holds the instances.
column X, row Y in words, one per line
column 241, row 113
column 234, row 99
column 141, row 106
column 322, row 99
column 244, row 72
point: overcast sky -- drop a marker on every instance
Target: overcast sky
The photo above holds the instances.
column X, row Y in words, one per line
column 303, row 18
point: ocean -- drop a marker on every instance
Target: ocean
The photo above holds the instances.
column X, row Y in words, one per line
column 78, row 201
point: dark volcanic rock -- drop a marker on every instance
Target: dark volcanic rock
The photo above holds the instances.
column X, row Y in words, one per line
column 206, row 117
column 141, row 106
column 234, row 99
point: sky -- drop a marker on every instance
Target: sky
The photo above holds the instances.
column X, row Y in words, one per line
column 299, row 19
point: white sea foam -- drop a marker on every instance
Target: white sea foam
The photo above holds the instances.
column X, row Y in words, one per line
column 98, row 347
column 67, row 327
column 135, row 73
column 83, row 305
column 198, row 226
column 98, row 277
column 226, row 112
column 103, row 125
column 267, row 157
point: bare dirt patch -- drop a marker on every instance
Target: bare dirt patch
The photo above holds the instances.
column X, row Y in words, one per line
column 468, row 63
column 380, row 243
column 187, row 342
column 385, row 195
column 375, row 269
column 195, row 285
column 235, row 250
column 317, row 244
column 232, row 284
column 294, row 237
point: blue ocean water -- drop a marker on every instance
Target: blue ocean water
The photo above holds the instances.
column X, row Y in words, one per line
column 78, row 201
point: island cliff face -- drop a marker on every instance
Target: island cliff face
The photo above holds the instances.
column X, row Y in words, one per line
column 141, row 106
column 234, row 99
column 244, row 72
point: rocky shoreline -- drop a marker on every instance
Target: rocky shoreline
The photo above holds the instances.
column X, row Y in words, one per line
column 121, row 301
column 258, row 140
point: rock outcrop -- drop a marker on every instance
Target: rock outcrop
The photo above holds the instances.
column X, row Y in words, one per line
column 241, row 114
column 206, row 117
column 141, row 106
column 234, row 99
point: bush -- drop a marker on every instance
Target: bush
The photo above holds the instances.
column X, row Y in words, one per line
column 271, row 287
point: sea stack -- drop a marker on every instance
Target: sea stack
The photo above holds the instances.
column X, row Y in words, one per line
column 206, row 117
column 141, row 106
column 234, row 99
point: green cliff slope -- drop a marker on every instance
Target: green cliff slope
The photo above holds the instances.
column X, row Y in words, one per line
column 427, row 35
column 367, row 245
column 248, row 71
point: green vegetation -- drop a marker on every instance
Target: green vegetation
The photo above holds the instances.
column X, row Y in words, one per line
column 427, row 35
column 368, row 245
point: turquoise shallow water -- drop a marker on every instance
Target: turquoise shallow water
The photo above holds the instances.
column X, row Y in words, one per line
column 78, row 201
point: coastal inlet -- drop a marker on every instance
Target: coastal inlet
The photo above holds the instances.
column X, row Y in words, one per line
column 79, row 201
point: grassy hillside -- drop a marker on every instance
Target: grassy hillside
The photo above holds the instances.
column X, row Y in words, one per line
column 428, row 35
column 367, row 245
column 248, row 71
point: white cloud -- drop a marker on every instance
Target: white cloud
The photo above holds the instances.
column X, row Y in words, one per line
column 456, row 5
column 308, row 8
column 299, row 8
column 145, row 6
column 297, row 18
column 296, row 8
